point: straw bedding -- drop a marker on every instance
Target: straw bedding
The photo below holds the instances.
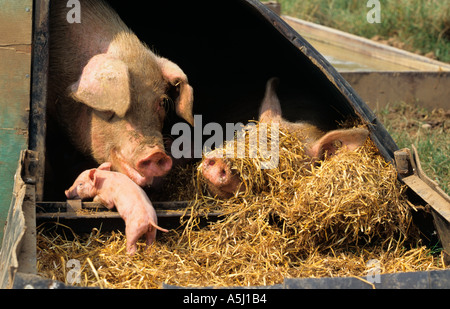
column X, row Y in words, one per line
column 298, row 220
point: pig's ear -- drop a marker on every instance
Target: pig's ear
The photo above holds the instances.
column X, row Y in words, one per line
column 93, row 177
column 104, row 85
column 105, row 166
column 92, row 174
column 270, row 107
column 176, row 77
column 333, row 140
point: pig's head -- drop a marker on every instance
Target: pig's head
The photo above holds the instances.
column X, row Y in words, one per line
column 223, row 182
column 85, row 185
column 126, row 96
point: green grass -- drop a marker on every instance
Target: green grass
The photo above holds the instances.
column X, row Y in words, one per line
column 421, row 26
column 428, row 131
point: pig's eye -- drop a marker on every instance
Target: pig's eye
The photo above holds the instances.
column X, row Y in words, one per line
column 80, row 185
column 109, row 115
column 165, row 103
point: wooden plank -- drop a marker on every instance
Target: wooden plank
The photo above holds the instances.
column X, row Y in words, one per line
column 15, row 68
column 435, row 200
column 14, row 87
column 429, row 89
column 432, row 184
column 363, row 46
column 15, row 22
column 421, row 80
column 411, row 173
column 27, row 253
column 14, row 231
column 10, row 144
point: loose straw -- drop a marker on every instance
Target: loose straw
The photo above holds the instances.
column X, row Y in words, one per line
column 298, row 220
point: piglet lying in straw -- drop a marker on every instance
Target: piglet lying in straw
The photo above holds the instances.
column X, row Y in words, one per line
column 116, row 189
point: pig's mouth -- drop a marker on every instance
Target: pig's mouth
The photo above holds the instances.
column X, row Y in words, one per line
column 124, row 167
column 136, row 176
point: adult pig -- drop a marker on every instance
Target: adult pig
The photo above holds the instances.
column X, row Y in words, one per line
column 110, row 93
column 114, row 189
column 223, row 182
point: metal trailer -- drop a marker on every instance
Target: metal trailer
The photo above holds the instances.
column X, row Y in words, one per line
column 228, row 52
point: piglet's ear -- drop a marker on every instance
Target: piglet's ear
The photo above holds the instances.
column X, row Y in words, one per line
column 104, row 85
column 93, row 177
column 92, row 174
column 333, row 140
column 270, row 107
column 176, row 77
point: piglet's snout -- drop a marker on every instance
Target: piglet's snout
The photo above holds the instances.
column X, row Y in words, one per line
column 71, row 193
column 155, row 165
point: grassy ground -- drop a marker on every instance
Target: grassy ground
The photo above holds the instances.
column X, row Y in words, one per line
column 428, row 130
column 421, row 26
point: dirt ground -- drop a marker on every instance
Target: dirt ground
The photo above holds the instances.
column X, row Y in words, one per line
column 411, row 118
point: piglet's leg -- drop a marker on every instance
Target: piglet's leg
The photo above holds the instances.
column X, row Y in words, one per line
column 150, row 236
column 132, row 238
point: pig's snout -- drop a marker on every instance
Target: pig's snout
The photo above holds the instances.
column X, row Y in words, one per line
column 154, row 165
column 71, row 193
column 222, row 182
column 216, row 171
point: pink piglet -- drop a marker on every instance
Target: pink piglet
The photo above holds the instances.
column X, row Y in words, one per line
column 114, row 189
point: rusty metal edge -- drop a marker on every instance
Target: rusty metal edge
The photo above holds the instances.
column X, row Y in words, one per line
column 76, row 209
column 39, row 76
